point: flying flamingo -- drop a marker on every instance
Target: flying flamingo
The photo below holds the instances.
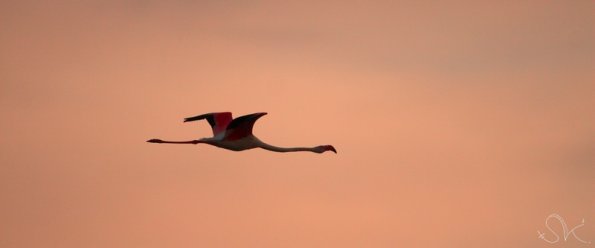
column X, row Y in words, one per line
column 236, row 134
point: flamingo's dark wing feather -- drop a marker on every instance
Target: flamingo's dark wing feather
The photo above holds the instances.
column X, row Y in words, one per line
column 218, row 121
column 242, row 126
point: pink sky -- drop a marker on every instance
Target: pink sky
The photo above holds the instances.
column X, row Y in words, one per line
column 458, row 124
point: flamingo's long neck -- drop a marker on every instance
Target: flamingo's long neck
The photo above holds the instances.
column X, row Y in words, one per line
column 178, row 142
column 174, row 142
column 284, row 149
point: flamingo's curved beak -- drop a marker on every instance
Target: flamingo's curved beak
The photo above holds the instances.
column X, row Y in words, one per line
column 331, row 148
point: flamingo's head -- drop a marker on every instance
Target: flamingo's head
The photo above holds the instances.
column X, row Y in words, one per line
column 324, row 148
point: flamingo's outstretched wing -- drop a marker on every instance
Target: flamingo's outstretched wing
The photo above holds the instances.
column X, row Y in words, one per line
column 242, row 126
column 218, row 121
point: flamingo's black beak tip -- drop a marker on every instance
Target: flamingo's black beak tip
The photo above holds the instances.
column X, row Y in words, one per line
column 331, row 148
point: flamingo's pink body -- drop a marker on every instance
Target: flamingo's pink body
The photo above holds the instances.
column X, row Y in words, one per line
column 236, row 134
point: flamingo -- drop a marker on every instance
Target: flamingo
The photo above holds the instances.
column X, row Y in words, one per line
column 236, row 134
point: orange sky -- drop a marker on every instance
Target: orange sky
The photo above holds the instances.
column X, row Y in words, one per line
column 458, row 123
